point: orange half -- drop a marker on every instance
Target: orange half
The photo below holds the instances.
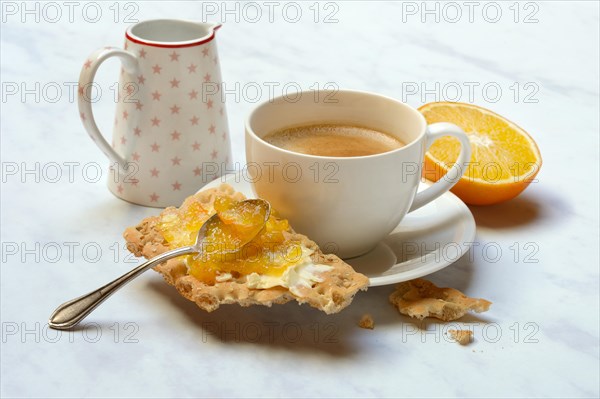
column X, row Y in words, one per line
column 504, row 158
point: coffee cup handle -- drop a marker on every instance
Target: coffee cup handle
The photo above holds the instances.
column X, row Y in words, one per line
column 435, row 131
column 84, row 100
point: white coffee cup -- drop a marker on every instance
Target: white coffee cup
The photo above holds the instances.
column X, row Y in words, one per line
column 347, row 205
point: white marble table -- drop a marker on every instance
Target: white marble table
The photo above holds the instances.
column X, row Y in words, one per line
column 539, row 67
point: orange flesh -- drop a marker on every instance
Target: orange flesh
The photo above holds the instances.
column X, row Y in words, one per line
column 504, row 158
column 268, row 253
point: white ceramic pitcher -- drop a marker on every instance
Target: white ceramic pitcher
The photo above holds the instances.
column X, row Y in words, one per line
column 170, row 120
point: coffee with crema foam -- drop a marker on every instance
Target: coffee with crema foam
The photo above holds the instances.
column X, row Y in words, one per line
column 333, row 140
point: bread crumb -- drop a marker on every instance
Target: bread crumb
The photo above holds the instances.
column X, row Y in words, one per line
column 366, row 322
column 463, row 337
column 421, row 298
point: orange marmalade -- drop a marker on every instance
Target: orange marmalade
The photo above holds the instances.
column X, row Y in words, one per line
column 224, row 251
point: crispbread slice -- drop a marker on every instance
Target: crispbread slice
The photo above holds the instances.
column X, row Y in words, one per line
column 421, row 298
column 333, row 294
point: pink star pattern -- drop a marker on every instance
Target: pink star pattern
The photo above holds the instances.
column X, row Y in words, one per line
column 87, row 64
column 82, row 115
column 163, row 138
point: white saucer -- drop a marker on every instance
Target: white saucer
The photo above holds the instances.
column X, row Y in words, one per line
column 426, row 240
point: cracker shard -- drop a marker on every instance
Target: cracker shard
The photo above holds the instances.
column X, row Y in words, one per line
column 331, row 295
column 463, row 337
column 367, row 322
column 421, row 298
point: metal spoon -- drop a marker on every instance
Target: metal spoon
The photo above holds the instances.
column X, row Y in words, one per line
column 69, row 314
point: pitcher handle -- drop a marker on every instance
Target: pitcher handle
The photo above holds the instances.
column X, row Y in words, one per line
column 86, row 81
column 446, row 182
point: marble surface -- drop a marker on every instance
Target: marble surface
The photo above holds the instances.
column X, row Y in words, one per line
column 540, row 337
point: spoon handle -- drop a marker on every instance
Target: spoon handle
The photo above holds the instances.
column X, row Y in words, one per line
column 69, row 314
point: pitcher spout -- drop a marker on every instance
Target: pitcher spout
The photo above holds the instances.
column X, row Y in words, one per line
column 212, row 25
column 210, row 28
